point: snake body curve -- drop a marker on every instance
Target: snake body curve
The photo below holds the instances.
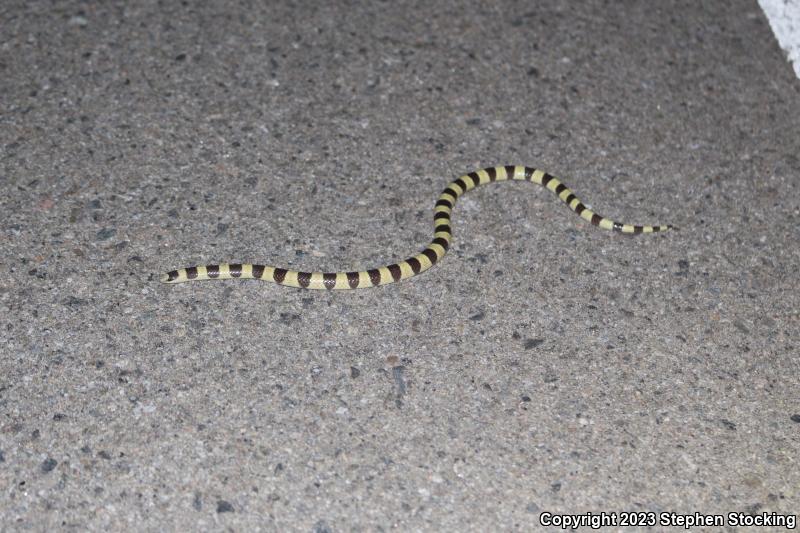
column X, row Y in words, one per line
column 433, row 253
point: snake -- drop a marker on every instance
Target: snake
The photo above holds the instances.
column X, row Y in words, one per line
column 419, row 263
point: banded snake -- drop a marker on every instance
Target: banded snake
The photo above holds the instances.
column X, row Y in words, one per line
column 433, row 253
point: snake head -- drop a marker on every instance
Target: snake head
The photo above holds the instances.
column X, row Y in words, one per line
column 169, row 277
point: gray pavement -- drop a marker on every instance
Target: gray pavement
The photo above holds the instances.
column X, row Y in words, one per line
column 543, row 366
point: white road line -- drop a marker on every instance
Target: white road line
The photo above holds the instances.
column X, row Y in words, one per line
column 784, row 17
